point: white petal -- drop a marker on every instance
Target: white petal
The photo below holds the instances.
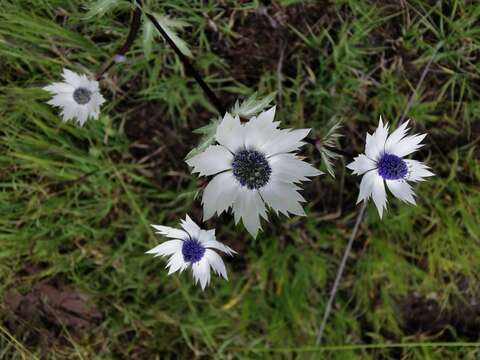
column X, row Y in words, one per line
column 171, row 232
column 379, row 195
column 407, row 145
column 64, row 97
column 97, row 100
column 213, row 160
column 260, row 129
column 402, row 190
column 375, row 144
column 201, row 272
column 175, row 263
column 396, row 136
column 285, row 141
column 87, row 84
column 283, row 197
column 166, row 248
column 214, row 244
column 205, row 236
column 366, row 185
column 93, row 111
column 82, row 114
column 62, row 100
column 370, row 147
column 361, row 164
column 60, row 88
column 190, row 227
column 288, row 168
column 417, row 170
column 69, row 112
column 93, row 86
column 216, row 263
column 212, row 233
column 248, row 206
column 71, row 78
column 208, row 240
column 230, row 133
column 219, row 194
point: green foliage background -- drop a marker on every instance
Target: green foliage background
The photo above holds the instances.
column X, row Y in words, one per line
column 76, row 203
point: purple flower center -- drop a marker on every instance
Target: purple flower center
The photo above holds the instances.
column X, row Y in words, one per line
column 392, row 167
column 192, row 250
column 82, row 96
column 251, row 169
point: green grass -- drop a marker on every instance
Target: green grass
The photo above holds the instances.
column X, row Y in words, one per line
column 76, row 203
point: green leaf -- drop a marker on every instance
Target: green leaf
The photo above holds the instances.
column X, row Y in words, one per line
column 252, row 106
column 147, row 38
column 101, row 7
column 170, row 26
column 329, row 139
column 207, row 139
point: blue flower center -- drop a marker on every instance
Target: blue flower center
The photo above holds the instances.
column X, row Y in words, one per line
column 192, row 250
column 251, row 169
column 82, row 96
column 392, row 167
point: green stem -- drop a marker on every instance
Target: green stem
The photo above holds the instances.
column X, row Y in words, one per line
column 341, row 268
column 132, row 34
column 186, row 62
column 362, row 347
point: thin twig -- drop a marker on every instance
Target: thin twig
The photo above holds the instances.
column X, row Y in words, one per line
column 339, row 152
column 420, row 82
column 359, row 219
column 318, row 144
column 132, row 34
column 279, row 73
column 186, row 63
column 350, row 347
column 333, row 292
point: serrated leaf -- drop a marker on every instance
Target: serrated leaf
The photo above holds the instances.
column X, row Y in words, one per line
column 327, row 160
column 208, row 137
column 248, row 108
column 170, row 26
column 101, row 7
column 147, row 38
column 329, row 139
column 252, row 106
column 208, row 129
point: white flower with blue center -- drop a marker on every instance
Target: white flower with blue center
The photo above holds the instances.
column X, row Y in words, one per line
column 255, row 166
column 192, row 247
column 78, row 97
column 384, row 162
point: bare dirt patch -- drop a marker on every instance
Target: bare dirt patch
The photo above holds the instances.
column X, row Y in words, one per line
column 49, row 313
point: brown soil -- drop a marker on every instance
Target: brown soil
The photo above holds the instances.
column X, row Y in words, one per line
column 265, row 40
column 49, row 313
column 423, row 315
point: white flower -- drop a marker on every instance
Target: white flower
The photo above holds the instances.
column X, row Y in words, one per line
column 192, row 246
column 256, row 166
column 384, row 161
column 78, row 97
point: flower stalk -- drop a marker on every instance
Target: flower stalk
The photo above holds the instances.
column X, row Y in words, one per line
column 341, row 268
column 132, row 34
column 186, row 62
column 360, row 215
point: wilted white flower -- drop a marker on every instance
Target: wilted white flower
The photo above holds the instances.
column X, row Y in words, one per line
column 256, row 166
column 383, row 161
column 78, row 97
column 192, row 246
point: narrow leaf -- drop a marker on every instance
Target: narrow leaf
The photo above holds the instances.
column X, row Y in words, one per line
column 207, row 139
column 170, row 26
column 147, row 38
column 252, row 106
column 101, row 7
